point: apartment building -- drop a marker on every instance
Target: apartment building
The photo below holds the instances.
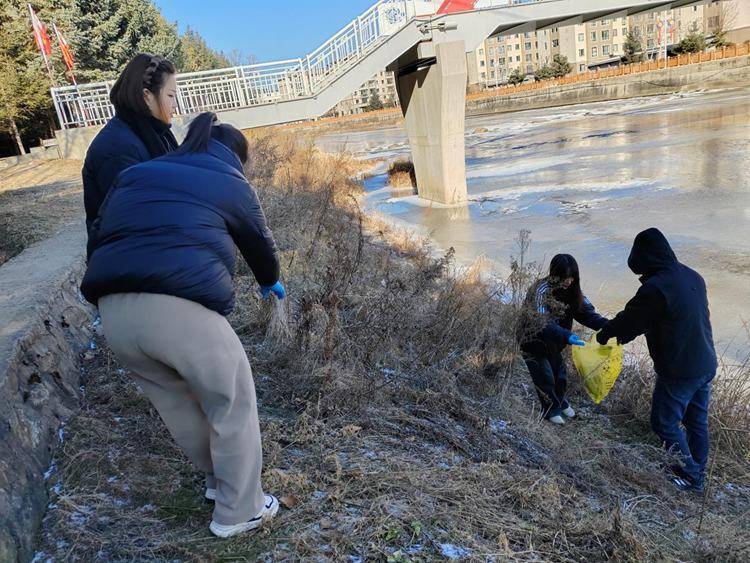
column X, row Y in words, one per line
column 600, row 43
column 383, row 84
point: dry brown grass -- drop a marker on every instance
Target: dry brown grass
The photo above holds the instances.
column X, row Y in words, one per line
column 401, row 174
column 395, row 412
column 37, row 198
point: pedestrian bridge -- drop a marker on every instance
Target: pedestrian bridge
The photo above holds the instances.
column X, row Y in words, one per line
column 424, row 42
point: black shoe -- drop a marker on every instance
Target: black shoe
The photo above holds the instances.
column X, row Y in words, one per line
column 688, row 485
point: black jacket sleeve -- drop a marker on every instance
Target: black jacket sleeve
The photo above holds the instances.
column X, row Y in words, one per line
column 588, row 317
column 248, row 228
column 639, row 316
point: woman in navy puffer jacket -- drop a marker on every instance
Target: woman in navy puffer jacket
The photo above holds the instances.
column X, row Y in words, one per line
column 161, row 261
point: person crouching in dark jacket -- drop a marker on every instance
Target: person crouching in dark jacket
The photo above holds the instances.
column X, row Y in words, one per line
column 671, row 309
column 558, row 299
column 161, row 260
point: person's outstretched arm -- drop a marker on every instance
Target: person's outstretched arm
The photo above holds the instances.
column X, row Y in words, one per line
column 588, row 317
column 638, row 317
column 250, row 232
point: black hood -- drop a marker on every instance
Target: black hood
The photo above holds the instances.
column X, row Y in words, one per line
column 651, row 253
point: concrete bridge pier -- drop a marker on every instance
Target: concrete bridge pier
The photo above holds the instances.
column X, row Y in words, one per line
column 432, row 92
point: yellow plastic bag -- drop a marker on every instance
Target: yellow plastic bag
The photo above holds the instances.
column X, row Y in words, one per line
column 599, row 366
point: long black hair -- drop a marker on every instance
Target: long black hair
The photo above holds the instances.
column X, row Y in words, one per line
column 206, row 127
column 562, row 267
column 145, row 71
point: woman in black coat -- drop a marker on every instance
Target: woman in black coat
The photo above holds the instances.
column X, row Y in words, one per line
column 144, row 97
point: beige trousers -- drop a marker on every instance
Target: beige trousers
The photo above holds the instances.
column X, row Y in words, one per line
column 193, row 368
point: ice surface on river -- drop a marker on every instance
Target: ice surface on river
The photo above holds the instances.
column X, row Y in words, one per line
column 585, row 179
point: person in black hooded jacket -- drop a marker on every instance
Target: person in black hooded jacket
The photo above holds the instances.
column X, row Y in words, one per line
column 671, row 309
column 557, row 300
column 144, row 97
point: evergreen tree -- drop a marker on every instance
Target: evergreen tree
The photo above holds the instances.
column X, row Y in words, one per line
column 375, row 102
column 516, row 77
column 199, row 56
column 632, row 49
column 560, row 66
column 24, row 82
column 543, row 73
column 693, row 42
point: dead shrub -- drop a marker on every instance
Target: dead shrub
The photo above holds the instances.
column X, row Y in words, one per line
column 401, row 174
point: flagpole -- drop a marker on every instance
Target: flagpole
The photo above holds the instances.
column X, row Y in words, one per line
column 69, row 64
column 37, row 33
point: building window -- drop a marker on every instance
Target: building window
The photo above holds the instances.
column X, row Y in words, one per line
column 581, row 52
column 492, row 74
column 593, row 35
column 605, row 50
column 650, row 43
column 528, row 58
column 529, row 69
column 615, row 48
column 614, row 32
column 650, row 28
column 518, row 58
column 624, row 31
column 605, row 35
column 526, row 35
column 518, row 46
column 492, row 62
column 501, row 61
column 555, row 43
column 594, row 52
column 593, row 24
column 581, row 37
column 527, row 46
column 484, row 76
column 501, row 50
column 481, row 52
column 581, row 68
column 492, row 51
column 481, row 63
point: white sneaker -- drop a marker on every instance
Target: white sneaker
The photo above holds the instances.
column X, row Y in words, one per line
column 569, row 412
column 269, row 510
column 557, row 419
column 210, row 493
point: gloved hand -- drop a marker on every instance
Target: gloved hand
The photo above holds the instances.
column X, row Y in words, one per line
column 277, row 289
column 574, row 340
column 601, row 338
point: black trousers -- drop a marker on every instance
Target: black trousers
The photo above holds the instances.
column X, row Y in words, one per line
column 550, row 378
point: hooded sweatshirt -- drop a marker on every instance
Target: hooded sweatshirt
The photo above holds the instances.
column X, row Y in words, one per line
column 670, row 308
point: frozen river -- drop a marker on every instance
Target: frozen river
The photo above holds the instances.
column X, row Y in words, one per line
column 585, row 179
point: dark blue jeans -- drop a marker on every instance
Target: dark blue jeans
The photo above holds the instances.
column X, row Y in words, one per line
column 683, row 401
column 550, row 378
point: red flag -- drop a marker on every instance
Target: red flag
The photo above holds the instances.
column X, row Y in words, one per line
column 40, row 34
column 450, row 6
column 67, row 54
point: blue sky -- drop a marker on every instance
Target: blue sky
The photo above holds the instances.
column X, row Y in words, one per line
column 270, row 30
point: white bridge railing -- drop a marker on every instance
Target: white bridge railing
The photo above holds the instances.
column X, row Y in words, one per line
column 245, row 86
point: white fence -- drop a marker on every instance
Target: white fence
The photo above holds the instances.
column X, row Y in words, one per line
column 244, row 86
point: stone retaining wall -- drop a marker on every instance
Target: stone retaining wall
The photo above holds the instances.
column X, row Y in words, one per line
column 45, row 326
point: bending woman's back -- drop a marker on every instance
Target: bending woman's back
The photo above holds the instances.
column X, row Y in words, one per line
column 169, row 226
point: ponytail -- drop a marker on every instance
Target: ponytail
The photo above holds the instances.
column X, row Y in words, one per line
column 206, row 127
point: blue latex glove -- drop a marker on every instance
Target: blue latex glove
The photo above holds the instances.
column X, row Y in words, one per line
column 277, row 289
column 574, row 340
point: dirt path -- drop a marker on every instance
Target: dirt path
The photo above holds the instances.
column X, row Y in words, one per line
column 37, row 199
